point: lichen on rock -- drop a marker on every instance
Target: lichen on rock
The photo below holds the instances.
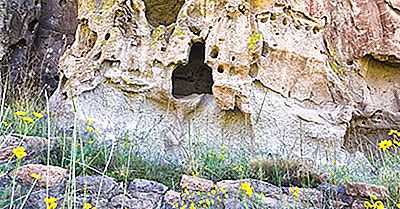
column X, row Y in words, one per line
column 279, row 75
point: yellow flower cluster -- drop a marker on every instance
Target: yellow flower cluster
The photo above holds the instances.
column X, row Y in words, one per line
column 394, row 132
column 50, row 202
column 376, row 205
column 386, row 144
column 247, row 188
column 22, row 114
column 295, row 192
column 19, row 152
column 88, row 206
column 199, row 199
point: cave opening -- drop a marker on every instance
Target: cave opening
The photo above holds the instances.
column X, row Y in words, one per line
column 162, row 12
column 195, row 77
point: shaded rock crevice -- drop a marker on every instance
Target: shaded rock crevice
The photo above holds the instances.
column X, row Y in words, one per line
column 46, row 28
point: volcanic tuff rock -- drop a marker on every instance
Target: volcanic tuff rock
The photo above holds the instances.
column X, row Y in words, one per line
column 302, row 78
column 33, row 36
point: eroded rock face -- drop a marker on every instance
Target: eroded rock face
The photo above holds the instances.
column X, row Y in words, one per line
column 34, row 34
column 288, row 77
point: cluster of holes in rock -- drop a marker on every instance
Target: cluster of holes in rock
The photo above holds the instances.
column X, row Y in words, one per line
column 195, row 77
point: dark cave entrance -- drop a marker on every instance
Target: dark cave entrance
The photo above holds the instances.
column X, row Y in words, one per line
column 195, row 77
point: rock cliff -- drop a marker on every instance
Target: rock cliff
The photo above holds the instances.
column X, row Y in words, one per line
column 316, row 79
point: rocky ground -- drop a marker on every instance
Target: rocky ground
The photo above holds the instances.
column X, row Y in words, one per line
column 105, row 192
column 192, row 192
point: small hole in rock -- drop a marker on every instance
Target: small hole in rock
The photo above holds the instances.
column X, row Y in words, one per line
column 214, row 52
column 97, row 56
column 220, row 69
column 107, row 36
column 232, row 70
column 233, row 58
column 195, row 77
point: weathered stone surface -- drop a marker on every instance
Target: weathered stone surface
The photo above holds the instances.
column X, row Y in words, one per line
column 196, row 183
column 172, row 197
column 33, row 145
column 50, row 176
column 365, row 190
column 111, row 196
column 288, row 78
column 34, row 34
column 142, row 185
column 93, row 184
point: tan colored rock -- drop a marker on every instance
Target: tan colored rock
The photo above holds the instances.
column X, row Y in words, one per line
column 285, row 75
column 172, row 197
column 365, row 190
column 196, row 183
column 49, row 175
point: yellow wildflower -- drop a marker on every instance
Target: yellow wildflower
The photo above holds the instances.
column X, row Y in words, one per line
column 186, row 191
column 20, row 113
column 176, row 205
column 87, row 206
column 208, row 202
column 195, row 173
column 247, row 188
column 398, row 205
column 91, row 142
column 213, row 192
column 184, row 206
column 90, row 121
column 50, row 202
column 391, row 132
column 385, row 144
column 367, row 205
column 19, row 152
column 209, row 194
column 36, row 176
column 192, row 206
column 212, row 202
column 396, row 143
column 226, row 196
column 295, row 192
column 28, row 120
column 198, row 193
column 5, row 123
column 90, row 129
column 38, row 115
column 52, row 205
column 379, row 205
column 373, row 197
